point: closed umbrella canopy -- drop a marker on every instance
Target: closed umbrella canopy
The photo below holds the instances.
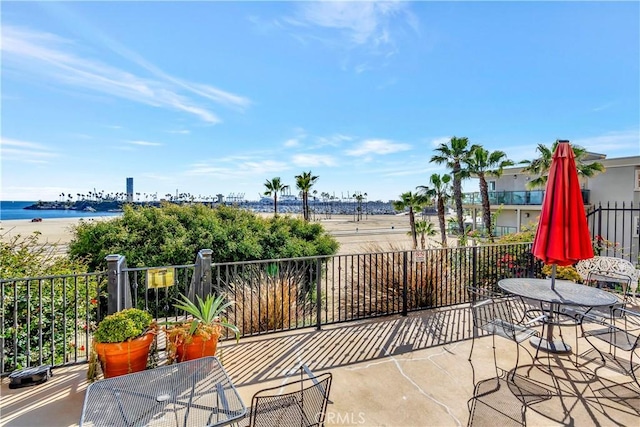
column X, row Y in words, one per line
column 563, row 236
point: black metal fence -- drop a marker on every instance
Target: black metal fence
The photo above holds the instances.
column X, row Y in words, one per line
column 616, row 230
column 50, row 319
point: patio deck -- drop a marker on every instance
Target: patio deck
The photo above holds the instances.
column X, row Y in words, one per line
column 394, row 371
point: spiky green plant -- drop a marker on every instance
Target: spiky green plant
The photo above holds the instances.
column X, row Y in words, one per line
column 207, row 312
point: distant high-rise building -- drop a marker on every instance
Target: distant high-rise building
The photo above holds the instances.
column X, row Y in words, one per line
column 129, row 189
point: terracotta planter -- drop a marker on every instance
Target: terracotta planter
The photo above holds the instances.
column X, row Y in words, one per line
column 124, row 357
column 196, row 348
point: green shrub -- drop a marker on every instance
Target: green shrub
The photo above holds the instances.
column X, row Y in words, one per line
column 122, row 326
column 173, row 235
column 50, row 314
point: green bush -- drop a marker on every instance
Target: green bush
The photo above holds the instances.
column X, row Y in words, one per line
column 173, row 235
column 122, row 326
column 50, row 314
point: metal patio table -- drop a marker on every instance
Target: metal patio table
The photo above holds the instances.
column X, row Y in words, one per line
column 564, row 293
column 193, row 393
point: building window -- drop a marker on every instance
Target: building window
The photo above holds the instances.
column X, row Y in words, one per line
column 637, row 185
column 492, row 185
column 636, row 229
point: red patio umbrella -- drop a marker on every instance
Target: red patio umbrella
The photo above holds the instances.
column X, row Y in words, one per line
column 563, row 236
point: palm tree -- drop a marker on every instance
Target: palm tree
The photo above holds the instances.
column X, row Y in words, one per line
column 413, row 202
column 541, row 165
column 453, row 155
column 274, row 187
column 439, row 188
column 424, row 228
column 304, row 182
column 359, row 198
column 483, row 163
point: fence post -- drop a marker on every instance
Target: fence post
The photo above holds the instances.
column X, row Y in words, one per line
column 201, row 279
column 474, row 267
column 318, row 294
column 405, row 274
column 118, row 290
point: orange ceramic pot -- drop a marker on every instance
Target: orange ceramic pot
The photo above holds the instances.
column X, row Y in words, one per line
column 197, row 347
column 124, row 357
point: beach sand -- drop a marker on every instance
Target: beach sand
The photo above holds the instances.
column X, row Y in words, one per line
column 386, row 232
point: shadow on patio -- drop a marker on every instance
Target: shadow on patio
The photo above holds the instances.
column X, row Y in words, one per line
column 395, row 371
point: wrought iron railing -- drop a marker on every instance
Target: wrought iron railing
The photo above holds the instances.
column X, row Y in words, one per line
column 615, row 228
column 48, row 320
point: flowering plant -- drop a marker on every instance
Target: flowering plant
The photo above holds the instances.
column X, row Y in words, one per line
column 600, row 245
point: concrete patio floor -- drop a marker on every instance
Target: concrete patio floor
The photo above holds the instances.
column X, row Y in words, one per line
column 395, row 371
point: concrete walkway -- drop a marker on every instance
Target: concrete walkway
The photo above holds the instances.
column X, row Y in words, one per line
column 396, row 371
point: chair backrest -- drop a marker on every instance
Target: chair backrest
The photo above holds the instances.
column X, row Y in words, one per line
column 481, row 293
column 296, row 404
column 495, row 316
column 609, row 269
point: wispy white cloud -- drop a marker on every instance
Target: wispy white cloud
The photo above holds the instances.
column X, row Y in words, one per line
column 248, row 168
column 145, row 143
column 180, row 132
column 362, row 23
column 25, row 151
column 334, row 140
column 54, row 59
column 602, row 107
column 377, row 146
column 611, row 142
column 313, row 160
column 292, row 142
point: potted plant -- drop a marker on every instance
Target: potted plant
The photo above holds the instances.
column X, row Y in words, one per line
column 198, row 335
column 121, row 343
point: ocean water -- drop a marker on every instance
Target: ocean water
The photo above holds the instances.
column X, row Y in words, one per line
column 15, row 210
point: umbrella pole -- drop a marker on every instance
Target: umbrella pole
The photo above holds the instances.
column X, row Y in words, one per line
column 553, row 276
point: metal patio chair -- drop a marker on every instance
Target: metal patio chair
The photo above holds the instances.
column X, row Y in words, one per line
column 296, row 404
column 621, row 332
column 495, row 316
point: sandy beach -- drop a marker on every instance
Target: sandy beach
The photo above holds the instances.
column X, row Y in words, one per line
column 389, row 232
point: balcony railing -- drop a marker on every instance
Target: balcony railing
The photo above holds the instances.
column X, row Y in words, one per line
column 50, row 319
column 524, row 197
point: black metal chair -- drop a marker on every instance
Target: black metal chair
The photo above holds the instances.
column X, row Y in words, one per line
column 296, row 404
column 495, row 316
column 621, row 332
column 595, row 274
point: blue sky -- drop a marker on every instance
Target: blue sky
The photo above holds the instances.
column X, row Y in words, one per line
column 218, row 97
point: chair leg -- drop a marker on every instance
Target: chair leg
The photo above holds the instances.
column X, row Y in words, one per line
column 633, row 372
column 513, row 375
column 473, row 341
column 495, row 357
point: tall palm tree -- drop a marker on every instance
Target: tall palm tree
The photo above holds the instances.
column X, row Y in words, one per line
column 541, row 165
column 439, row 188
column 304, row 182
column 424, row 228
column 483, row 163
column 274, row 187
column 359, row 199
column 453, row 155
column 413, row 202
